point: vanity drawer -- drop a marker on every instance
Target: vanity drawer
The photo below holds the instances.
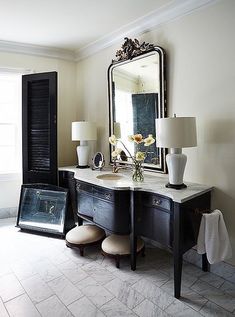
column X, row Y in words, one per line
column 83, row 187
column 155, row 224
column 85, row 204
column 156, row 201
column 161, row 228
column 103, row 193
column 110, row 217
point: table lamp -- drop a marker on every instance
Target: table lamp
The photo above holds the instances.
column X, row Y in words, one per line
column 176, row 133
column 83, row 131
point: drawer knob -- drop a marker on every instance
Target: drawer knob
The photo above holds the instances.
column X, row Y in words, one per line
column 157, row 202
column 107, row 196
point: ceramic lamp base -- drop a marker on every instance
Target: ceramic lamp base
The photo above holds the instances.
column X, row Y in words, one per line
column 176, row 162
column 83, row 154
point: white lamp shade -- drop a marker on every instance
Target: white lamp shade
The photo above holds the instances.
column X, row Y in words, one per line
column 177, row 132
column 83, row 131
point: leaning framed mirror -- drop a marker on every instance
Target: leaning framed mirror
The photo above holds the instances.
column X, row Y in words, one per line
column 137, row 96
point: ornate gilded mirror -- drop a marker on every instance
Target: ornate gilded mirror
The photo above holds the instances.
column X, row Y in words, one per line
column 137, row 96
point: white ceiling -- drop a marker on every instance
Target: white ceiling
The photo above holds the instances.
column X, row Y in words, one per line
column 68, row 24
column 75, row 29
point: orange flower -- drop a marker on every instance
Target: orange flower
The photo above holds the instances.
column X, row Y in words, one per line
column 138, row 138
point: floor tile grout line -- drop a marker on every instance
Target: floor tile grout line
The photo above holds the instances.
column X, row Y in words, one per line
column 132, row 289
column 74, row 300
column 224, row 292
column 154, row 267
column 173, row 300
column 121, row 303
column 25, row 293
column 212, row 300
column 205, row 304
column 152, row 301
column 54, row 295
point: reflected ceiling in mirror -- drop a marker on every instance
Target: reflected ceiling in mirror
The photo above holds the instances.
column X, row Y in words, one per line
column 137, row 98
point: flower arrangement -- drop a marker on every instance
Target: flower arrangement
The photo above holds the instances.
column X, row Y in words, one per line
column 138, row 157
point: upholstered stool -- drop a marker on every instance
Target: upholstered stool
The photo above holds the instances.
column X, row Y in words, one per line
column 83, row 236
column 118, row 246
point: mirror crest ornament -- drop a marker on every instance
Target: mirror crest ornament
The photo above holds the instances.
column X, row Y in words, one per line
column 137, row 96
column 132, row 48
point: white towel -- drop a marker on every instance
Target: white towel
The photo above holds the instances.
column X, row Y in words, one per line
column 213, row 238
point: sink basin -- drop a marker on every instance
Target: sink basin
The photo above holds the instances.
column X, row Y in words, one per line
column 109, row 177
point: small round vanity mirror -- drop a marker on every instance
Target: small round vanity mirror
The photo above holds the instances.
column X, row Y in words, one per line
column 98, row 161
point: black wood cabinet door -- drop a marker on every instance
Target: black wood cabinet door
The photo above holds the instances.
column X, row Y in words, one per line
column 39, row 128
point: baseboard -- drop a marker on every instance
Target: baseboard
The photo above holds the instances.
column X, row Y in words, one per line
column 8, row 212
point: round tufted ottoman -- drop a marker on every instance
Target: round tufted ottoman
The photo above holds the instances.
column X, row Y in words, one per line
column 118, row 246
column 83, row 236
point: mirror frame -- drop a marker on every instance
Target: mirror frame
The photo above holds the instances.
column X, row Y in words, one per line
column 161, row 104
column 100, row 166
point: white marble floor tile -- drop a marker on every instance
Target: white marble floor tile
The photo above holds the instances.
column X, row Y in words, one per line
column 22, row 306
column 36, row 288
column 155, row 276
column 212, row 279
column 3, row 311
column 188, row 296
column 127, row 275
column 52, row 307
column 5, row 267
column 57, row 257
column 99, row 273
column 224, row 269
column 124, row 292
column 74, row 255
column 153, row 293
column 89, row 281
column 187, row 279
column 72, row 271
column 65, row 290
column 108, row 291
column 115, row 308
column 148, row 309
column 212, row 310
column 10, row 287
column 215, row 295
column 47, row 270
column 193, row 270
column 96, row 293
column 178, row 309
column 23, row 269
column 84, row 308
column 228, row 288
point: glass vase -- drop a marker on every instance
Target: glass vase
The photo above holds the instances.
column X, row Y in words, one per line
column 137, row 175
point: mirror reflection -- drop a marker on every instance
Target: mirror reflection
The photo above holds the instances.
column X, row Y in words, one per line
column 136, row 99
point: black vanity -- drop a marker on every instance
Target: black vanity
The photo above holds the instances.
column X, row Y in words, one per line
column 167, row 216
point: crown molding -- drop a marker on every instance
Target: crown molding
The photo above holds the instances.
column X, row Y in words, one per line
column 167, row 13
column 30, row 49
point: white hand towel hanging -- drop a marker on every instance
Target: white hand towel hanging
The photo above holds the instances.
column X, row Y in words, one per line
column 213, row 238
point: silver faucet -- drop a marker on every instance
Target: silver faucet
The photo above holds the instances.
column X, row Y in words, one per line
column 117, row 168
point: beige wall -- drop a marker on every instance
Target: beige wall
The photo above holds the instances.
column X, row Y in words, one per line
column 201, row 74
column 67, row 111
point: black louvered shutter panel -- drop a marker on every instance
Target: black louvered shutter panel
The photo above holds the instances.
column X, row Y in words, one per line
column 39, row 128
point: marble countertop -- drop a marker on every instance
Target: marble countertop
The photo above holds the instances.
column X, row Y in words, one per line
column 153, row 182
